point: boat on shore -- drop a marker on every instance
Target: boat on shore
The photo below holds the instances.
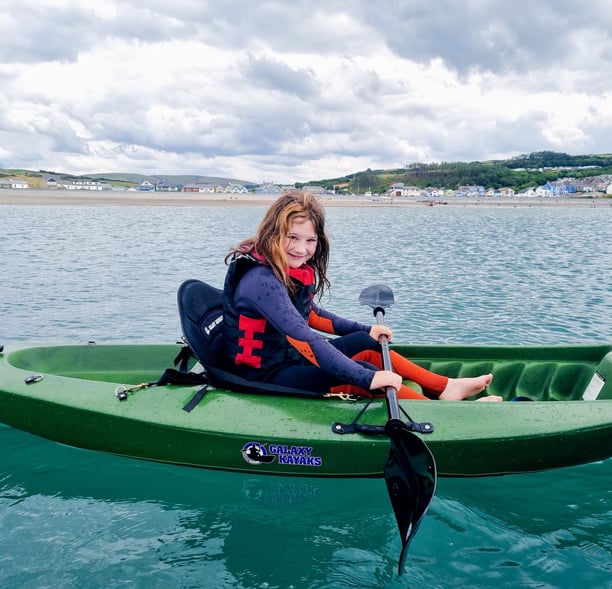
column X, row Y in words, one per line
column 105, row 398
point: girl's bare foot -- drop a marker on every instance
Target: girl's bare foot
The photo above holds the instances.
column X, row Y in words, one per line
column 458, row 389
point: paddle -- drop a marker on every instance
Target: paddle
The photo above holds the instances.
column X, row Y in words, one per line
column 410, row 468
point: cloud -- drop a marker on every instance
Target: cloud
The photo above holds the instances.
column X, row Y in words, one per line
column 272, row 74
column 315, row 90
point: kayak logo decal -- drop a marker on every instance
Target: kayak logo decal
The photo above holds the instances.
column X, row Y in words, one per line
column 257, row 453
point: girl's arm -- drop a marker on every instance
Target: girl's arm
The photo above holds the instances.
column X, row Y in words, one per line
column 327, row 322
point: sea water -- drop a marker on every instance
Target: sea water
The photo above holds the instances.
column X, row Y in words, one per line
column 482, row 275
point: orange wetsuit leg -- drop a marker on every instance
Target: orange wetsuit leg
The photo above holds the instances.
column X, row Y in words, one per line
column 374, row 358
column 431, row 382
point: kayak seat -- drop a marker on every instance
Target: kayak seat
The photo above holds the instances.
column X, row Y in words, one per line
column 200, row 307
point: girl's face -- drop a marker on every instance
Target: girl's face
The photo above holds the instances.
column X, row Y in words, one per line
column 301, row 242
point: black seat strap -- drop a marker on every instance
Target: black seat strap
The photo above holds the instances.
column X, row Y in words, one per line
column 183, row 357
column 196, row 399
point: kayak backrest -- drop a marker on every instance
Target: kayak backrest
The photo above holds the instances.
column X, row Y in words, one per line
column 201, row 312
column 200, row 308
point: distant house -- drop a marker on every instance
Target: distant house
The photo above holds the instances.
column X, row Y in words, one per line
column 470, row 190
column 562, row 187
column 601, row 183
column 199, row 187
column 267, row 188
column 19, row 184
column 543, row 191
column 145, row 186
column 236, row 188
column 555, row 189
column 51, row 181
column 399, row 189
column 433, row 192
column 166, row 186
column 411, row 191
column 528, row 192
column 81, row 185
column 315, row 190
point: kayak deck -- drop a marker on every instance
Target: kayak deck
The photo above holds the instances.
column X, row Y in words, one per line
column 75, row 404
column 543, row 373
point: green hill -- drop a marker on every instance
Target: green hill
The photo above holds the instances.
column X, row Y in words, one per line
column 534, row 169
column 181, row 179
column 127, row 179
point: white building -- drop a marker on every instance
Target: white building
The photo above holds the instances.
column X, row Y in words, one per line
column 13, row 184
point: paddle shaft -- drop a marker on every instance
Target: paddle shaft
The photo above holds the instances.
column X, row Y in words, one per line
column 410, row 468
column 391, row 393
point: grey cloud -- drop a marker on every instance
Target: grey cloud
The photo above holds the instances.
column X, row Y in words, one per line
column 62, row 32
column 29, row 149
column 450, row 142
column 493, row 36
column 261, row 107
column 301, row 26
column 276, row 75
column 39, row 32
column 50, row 35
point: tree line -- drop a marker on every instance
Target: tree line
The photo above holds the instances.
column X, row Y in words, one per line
column 520, row 172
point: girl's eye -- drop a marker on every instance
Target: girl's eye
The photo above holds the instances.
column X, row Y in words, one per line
column 296, row 238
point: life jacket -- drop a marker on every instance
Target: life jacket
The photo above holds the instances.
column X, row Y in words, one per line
column 254, row 348
column 201, row 313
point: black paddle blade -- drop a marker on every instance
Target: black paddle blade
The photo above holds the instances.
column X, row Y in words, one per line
column 410, row 468
column 377, row 296
column 410, row 474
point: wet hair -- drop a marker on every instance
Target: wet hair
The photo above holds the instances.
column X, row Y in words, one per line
column 274, row 229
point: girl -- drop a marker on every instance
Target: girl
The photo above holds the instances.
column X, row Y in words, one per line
column 270, row 317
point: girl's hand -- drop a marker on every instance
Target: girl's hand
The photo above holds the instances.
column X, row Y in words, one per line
column 377, row 330
column 386, row 378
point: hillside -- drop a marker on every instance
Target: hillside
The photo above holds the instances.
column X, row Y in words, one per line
column 534, row 169
column 182, row 179
column 127, row 179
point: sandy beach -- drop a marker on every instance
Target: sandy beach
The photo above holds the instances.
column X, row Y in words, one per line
column 105, row 198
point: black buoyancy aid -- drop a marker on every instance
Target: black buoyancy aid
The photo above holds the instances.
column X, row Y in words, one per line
column 261, row 359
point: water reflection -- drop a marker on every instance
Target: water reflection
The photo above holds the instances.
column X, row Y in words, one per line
column 121, row 517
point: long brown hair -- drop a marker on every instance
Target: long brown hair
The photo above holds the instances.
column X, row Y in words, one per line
column 273, row 230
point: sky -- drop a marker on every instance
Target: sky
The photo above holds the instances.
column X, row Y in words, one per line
column 293, row 91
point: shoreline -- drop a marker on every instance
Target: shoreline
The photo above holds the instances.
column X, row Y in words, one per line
column 67, row 198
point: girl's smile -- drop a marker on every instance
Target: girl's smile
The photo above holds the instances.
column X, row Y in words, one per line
column 300, row 243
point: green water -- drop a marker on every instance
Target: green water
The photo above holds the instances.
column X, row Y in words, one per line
column 77, row 519
column 72, row 518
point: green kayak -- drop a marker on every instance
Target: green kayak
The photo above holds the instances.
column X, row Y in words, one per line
column 72, row 394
